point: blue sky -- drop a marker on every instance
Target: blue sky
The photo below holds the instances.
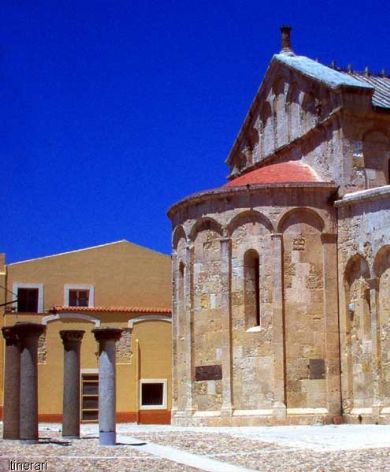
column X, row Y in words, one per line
column 111, row 111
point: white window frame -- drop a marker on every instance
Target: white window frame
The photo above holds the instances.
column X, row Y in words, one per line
column 91, row 297
column 17, row 285
column 163, row 406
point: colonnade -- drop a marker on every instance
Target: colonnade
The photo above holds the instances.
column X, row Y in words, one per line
column 21, row 382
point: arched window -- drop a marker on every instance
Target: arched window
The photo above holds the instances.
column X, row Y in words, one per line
column 252, row 288
column 388, row 172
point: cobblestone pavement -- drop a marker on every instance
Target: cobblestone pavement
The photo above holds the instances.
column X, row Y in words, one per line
column 298, row 450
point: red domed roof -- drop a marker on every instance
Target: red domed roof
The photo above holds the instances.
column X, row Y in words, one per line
column 285, row 172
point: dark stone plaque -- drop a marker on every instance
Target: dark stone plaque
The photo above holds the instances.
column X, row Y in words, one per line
column 317, row 368
column 208, row 372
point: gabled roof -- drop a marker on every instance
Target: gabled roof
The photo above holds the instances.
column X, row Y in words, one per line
column 122, row 242
column 284, row 172
column 381, row 85
column 320, row 72
column 339, row 78
column 378, row 86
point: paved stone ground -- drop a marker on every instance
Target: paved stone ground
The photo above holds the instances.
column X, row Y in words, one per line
column 167, row 448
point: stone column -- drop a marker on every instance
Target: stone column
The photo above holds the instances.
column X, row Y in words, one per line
column 373, row 287
column 332, row 329
column 28, row 333
column 107, row 337
column 186, row 330
column 11, row 384
column 175, row 302
column 226, row 327
column 278, row 327
column 71, row 396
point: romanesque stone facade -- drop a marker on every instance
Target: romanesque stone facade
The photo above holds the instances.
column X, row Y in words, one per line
column 281, row 277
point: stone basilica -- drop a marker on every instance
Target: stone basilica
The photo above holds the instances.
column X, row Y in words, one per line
column 281, row 277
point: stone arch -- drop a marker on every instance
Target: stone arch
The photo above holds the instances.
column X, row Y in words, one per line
column 253, row 144
column 300, row 215
column 266, row 114
column 178, row 233
column 69, row 316
column 205, row 223
column 382, row 260
column 308, row 111
column 358, row 333
column 292, row 93
column 249, row 216
column 292, row 110
column 145, row 318
column 304, row 307
column 356, row 263
column 278, row 106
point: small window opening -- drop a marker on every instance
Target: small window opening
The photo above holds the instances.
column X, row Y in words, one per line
column 28, row 300
column 78, row 297
column 152, row 394
column 388, row 172
column 252, row 288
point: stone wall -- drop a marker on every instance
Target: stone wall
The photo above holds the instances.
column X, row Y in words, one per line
column 232, row 370
column 304, row 308
column 364, row 272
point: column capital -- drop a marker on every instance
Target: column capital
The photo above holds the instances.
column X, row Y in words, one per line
column 328, row 238
column 10, row 335
column 25, row 329
column 105, row 334
column 71, row 335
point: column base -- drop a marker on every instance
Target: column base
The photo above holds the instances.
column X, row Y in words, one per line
column 28, row 441
column 107, row 439
column 280, row 411
column 12, row 437
column 66, row 436
column 226, row 411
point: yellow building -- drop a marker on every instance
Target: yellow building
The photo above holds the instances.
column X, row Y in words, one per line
column 119, row 285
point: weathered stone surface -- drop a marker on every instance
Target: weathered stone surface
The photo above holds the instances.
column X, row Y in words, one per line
column 279, row 275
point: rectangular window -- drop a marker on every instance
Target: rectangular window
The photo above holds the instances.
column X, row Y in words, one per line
column 28, row 300
column 78, row 297
column 82, row 295
column 153, row 394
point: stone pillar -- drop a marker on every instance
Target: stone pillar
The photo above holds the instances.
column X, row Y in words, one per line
column 71, row 396
column 332, row 329
column 175, row 302
column 187, row 330
column 373, row 287
column 278, row 327
column 28, row 334
column 107, row 337
column 226, row 327
column 11, row 384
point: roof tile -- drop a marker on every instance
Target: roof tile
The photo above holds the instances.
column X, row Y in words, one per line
column 285, row 172
column 110, row 309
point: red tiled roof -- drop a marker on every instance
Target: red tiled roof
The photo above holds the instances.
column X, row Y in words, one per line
column 110, row 309
column 285, row 172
